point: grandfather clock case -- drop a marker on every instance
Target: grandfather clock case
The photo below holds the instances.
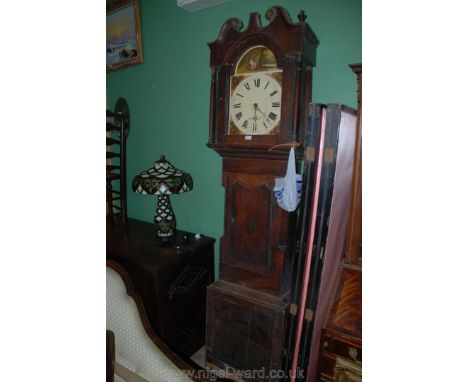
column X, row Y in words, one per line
column 260, row 90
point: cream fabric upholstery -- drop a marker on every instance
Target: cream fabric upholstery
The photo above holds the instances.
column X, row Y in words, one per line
column 118, row 378
column 134, row 350
column 124, row 375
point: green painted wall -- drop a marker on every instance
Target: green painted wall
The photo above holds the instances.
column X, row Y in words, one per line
column 169, row 93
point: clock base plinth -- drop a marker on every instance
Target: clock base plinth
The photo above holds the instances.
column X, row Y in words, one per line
column 252, row 342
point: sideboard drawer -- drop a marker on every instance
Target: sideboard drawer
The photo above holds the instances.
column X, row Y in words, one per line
column 341, row 346
column 337, row 351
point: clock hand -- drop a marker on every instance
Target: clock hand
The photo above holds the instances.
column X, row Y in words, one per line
column 255, row 118
column 264, row 115
column 256, row 107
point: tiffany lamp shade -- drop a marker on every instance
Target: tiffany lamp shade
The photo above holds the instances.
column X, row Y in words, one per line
column 163, row 179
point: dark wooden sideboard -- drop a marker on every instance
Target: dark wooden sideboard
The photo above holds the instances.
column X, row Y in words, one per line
column 171, row 279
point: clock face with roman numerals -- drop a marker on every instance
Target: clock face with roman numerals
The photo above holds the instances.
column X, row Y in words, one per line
column 255, row 104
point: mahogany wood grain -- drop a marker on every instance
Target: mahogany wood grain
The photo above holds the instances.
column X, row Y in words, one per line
column 346, row 313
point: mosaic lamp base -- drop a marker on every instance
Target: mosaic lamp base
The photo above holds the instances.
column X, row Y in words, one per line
column 164, row 219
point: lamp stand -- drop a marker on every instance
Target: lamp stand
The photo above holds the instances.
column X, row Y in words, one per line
column 164, row 219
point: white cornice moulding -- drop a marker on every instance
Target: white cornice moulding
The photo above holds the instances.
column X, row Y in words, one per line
column 196, row 5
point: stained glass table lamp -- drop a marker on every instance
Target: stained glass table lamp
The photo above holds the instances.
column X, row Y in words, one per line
column 163, row 179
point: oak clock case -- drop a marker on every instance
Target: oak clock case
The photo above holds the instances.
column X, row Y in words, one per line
column 260, row 90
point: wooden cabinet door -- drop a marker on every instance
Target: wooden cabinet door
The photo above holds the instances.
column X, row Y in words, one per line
column 254, row 248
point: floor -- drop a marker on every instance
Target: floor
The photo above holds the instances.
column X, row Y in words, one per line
column 199, row 357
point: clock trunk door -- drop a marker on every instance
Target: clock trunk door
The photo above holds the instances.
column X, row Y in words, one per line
column 253, row 250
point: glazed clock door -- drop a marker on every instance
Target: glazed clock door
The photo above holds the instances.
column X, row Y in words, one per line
column 255, row 94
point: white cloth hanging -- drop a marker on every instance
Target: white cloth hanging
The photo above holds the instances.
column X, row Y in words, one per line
column 287, row 190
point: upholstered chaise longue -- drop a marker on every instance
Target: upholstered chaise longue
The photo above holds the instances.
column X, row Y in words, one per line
column 135, row 353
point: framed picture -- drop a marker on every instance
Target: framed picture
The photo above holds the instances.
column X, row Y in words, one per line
column 123, row 34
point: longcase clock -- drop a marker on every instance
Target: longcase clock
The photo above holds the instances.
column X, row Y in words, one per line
column 260, row 90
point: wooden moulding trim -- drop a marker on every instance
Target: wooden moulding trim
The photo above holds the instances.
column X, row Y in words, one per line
column 350, row 339
column 240, row 292
column 232, row 151
column 231, row 31
column 158, row 342
column 274, row 14
column 357, row 68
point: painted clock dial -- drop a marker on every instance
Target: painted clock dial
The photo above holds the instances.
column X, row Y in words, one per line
column 255, row 104
column 255, row 94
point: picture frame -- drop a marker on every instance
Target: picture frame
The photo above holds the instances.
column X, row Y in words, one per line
column 123, row 34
